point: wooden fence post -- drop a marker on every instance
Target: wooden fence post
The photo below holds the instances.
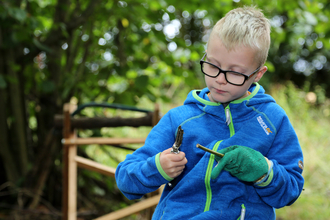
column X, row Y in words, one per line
column 69, row 205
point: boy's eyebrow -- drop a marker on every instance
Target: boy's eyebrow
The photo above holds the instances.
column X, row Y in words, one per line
column 209, row 59
column 212, row 60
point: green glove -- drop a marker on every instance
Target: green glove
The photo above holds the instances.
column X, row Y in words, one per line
column 243, row 162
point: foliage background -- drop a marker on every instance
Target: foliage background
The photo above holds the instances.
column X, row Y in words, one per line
column 137, row 53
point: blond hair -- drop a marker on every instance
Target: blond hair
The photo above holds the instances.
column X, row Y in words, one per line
column 247, row 27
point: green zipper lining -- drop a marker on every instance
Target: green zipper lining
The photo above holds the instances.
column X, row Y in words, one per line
column 210, row 166
column 208, row 179
column 254, row 92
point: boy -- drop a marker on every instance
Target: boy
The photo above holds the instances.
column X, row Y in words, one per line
column 262, row 163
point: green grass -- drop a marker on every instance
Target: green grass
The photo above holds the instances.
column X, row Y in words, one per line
column 312, row 125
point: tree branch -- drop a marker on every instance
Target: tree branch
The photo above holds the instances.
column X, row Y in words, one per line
column 79, row 20
column 56, row 34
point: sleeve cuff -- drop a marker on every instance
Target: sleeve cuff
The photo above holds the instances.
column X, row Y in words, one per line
column 268, row 178
column 160, row 169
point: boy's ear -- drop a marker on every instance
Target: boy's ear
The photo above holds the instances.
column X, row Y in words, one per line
column 260, row 73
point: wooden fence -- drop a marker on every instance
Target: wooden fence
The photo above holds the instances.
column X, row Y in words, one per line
column 72, row 161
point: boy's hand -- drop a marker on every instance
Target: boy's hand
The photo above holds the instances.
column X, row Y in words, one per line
column 243, row 162
column 172, row 164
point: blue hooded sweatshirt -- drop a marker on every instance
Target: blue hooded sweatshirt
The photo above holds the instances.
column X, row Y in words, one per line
column 255, row 121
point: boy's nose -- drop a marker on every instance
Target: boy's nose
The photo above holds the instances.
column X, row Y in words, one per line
column 221, row 79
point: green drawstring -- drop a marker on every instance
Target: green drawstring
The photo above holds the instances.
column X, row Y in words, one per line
column 242, row 213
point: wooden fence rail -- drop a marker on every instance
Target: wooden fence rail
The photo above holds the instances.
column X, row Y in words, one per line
column 71, row 161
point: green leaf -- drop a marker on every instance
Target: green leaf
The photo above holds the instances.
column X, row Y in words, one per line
column 151, row 96
column 131, row 74
column 18, row 14
column 270, row 66
column 142, row 81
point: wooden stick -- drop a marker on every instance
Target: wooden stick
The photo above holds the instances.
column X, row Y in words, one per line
column 210, row 151
column 137, row 207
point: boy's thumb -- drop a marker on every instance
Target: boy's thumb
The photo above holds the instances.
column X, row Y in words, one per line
column 217, row 169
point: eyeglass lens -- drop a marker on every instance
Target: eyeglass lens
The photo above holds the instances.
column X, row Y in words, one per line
column 231, row 77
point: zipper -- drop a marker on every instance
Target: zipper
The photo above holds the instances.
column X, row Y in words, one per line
column 208, row 178
column 242, row 216
column 229, row 121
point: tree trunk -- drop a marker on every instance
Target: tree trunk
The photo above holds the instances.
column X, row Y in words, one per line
column 6, row 151
column 44, row 161
column 7, row 159
column 18, row 126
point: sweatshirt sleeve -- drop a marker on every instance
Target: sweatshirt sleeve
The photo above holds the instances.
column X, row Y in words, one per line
column 285, row 181
column 140, row 172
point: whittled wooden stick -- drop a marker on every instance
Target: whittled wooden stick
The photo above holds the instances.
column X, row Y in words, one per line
column 210, row 151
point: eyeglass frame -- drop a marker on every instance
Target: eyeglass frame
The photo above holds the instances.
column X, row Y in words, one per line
column 246, row 77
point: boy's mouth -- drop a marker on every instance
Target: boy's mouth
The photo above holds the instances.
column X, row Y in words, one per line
column 219, row 91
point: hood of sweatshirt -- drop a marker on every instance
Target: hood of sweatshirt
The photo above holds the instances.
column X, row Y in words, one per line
column 239, row 109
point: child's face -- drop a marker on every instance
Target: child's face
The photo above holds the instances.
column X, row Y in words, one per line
column 240, row 60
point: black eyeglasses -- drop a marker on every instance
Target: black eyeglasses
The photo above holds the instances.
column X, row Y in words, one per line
column 232, row 77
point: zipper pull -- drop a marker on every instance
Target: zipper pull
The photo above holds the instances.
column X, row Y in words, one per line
column 242, row 217
column 228, row 116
